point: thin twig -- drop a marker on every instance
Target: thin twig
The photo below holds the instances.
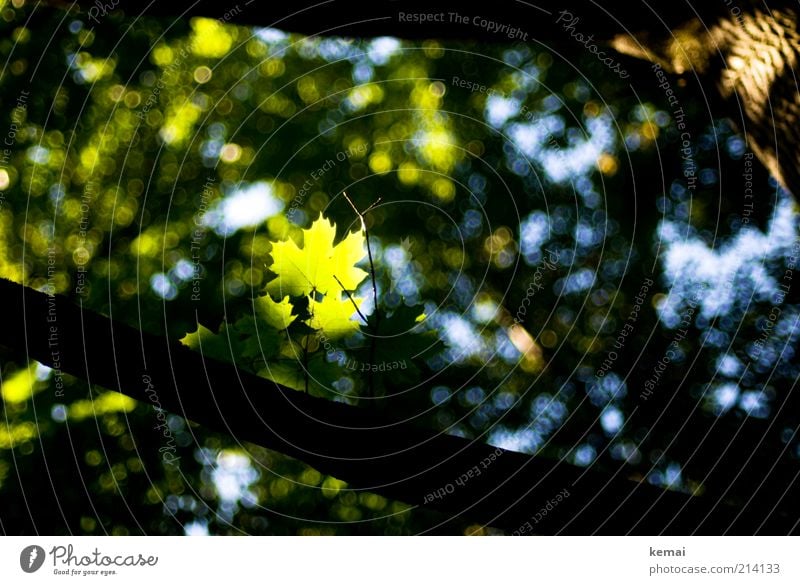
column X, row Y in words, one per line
column 374, row 338
column 374, row 203
column 360, row 215
column 305, row 348
column 352, row 300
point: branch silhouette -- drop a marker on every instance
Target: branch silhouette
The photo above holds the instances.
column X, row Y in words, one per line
column 366, row 449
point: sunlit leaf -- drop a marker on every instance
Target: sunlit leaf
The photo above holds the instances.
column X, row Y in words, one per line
column 276, row 314
column 335, row 317
column 318, row 263
column 201, row 340
column 240, row 341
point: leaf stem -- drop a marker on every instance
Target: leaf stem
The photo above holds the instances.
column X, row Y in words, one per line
column 306, row 373
column 352, row 300
column 374, row 338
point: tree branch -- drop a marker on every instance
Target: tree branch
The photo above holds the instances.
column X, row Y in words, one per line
column 363, row 448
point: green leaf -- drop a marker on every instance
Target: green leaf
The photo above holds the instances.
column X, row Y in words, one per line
column 208, row 343
column 318, row 263
column 400, row 340
column 291, row 373
column 253, row 342
column 276, row 314
column 335, row 317
column 240, row 342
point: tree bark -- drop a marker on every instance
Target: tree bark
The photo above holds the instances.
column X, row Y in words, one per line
column 461, row 478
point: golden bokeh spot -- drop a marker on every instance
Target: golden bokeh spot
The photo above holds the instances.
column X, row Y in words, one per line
column 437, row 88
column 17, row 435
column 607, row 164
column 116, row 92
column 444, row 189
column 145, row 245
column 310, row 477
column 133, row 99
column 202, row 74
column 278, row 226
column 123, row 216
column 89, row 156
column 454, row 257
column 531, row 360
column 81, row 256
column 105, row 403
column 591, row 109
column 180, row 123
column 332, row 486
column 380, row 163
column 273, row 67
column 649, row 130
column 93, row 457
column 230, row 153
column 364, row 95
column 307, row 90
column 438, row 149
column 689, row 50
column 94, row 69
column 372, row 501
column 279, row 488
column 20, row 386
column 210, row 38
column 408, row 173
column 256, row 48
column 162, row 55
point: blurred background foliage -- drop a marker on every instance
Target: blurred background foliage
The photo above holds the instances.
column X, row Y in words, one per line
column 527, row 198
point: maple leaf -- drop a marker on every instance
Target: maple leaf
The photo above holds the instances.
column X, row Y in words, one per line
column 318, row 374
column 318, row 263
column 277, row 314
column 233, row 341
column 335, row 317
column 203, row 335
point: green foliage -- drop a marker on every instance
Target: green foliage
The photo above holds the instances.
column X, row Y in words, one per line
column 317, row 265
column 291, row 341
column 129, row 141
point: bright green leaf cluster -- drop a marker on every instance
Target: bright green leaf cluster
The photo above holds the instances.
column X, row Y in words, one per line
column 294, row 335
column 322, row 275
column 310, row 299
